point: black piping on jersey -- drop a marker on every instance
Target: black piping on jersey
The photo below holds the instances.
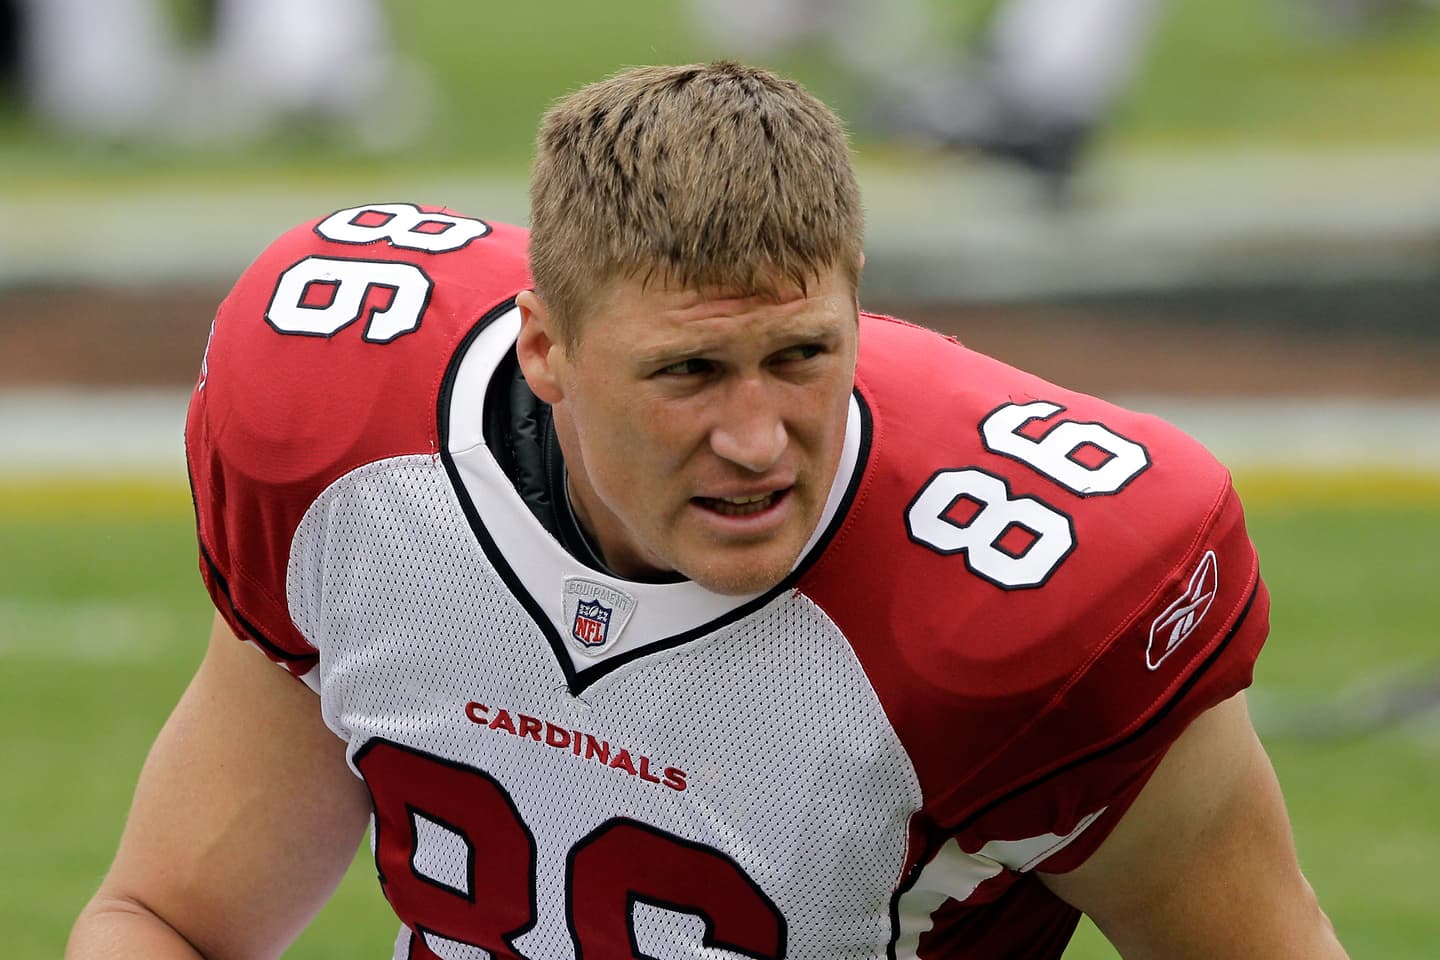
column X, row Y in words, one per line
column 1155, row 718
column 270, row 647
column 223, row 585
column 578, row 680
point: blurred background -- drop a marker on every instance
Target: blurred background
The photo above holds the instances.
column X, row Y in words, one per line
column 1225, row 213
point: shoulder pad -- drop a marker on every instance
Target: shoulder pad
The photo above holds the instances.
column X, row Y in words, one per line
column 1033, row 578
column 328, row 353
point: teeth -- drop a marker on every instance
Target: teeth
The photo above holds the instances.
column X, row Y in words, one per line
column 740, row 506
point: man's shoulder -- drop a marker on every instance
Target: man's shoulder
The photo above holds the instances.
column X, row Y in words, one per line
column 332, row 352
column 333, row 346
column 1019, row 555
column 377, row 274
column 965, row 446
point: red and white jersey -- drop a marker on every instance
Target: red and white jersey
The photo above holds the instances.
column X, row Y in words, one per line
column 1017, row 598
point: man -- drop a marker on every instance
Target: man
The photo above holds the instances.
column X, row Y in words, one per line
column 668, row 602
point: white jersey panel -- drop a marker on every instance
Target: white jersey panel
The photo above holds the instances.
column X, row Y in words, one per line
column 789, row 766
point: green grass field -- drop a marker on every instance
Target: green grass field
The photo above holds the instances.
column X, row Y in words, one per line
column 102, row 618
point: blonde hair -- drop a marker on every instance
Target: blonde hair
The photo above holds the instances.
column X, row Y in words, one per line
column 702, row 176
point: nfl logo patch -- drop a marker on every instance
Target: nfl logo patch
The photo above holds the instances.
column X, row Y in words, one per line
column 596, row 613
column 592, row 623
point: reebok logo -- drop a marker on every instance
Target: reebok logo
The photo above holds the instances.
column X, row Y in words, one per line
column 1180, row 619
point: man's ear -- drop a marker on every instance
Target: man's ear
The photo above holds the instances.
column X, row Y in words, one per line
column 538, row 348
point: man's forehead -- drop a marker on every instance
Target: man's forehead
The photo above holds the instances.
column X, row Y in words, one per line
column 700, row 306
column 768, row 292
column 815, row 307
column 658, row 318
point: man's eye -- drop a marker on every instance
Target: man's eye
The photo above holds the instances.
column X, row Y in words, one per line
column 803, row 351
column 687, row 368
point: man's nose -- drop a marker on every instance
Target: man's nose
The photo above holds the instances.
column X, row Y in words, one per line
column 749, row 430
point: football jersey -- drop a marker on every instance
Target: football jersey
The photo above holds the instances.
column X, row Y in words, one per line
column 1016, row 598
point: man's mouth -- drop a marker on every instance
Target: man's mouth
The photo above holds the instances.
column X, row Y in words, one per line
column 741, row 506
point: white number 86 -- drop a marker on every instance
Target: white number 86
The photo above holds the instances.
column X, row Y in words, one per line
column 1018, row 542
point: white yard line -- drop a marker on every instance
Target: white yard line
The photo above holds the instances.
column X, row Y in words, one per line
column 938, row 227
column 82, row 631
column 107, row 434
column 120, row 434
column 1320, row 433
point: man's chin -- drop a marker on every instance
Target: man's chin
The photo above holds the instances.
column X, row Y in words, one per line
column 741, row 574
column 736, row 587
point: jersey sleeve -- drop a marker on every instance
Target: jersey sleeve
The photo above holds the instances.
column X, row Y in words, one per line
column 1039, row 622
column 1071, row 774
column 328, row 354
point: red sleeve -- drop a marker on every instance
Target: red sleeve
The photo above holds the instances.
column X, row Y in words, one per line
column 1034, row 707
column 1105, row 730
column 329, row 353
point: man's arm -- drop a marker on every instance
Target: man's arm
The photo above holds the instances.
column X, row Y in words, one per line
column 1203, row 864
column 244, row 820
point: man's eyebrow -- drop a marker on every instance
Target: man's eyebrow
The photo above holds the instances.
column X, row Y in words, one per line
column 688, row 346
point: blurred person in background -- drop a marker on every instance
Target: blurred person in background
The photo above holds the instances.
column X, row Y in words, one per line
column 117, row 70
column 1349, row 18
column 1032, row 90
column 648, row 598
column 101, row 68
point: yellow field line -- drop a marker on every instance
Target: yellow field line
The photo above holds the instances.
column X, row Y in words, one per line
column 1350, row 487
column 59, row 498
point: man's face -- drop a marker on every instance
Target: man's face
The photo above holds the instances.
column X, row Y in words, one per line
column 701, row 431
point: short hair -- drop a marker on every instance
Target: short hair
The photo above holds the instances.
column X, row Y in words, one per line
column 702, row 176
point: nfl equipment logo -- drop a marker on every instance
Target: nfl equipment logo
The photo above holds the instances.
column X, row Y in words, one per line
column 597, row 613
column 592, row 623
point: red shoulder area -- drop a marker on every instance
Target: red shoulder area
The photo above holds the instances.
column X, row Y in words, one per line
column 329, row 353
column 1009, row 549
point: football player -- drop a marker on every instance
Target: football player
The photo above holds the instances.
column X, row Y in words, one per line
column 646, row 598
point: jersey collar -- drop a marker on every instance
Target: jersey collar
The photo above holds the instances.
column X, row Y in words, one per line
column 548, row 579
